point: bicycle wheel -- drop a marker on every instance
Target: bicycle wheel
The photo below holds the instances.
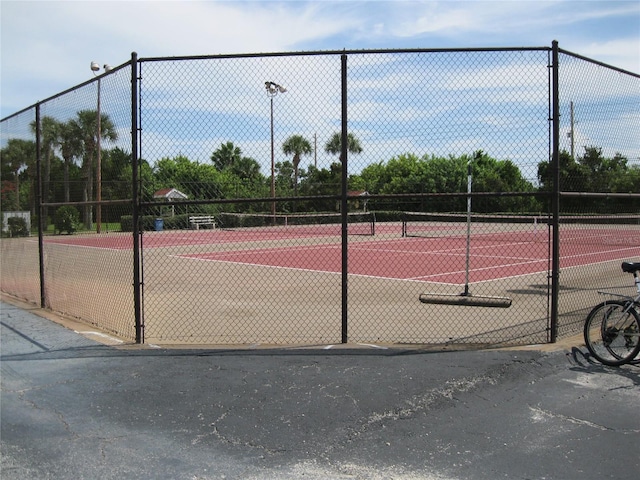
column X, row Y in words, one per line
column 611, row 334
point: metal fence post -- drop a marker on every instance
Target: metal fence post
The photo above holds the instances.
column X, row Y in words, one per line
column 135, row 199
column 555, row 199
column 344, row 206
column 43, row 299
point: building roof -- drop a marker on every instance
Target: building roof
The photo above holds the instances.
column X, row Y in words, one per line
column 170, row 194
column 360, row 193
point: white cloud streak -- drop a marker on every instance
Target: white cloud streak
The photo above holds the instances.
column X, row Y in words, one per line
column 47, row 45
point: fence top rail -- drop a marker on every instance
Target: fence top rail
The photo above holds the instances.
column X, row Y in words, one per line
column 342, row 52
column 596, row 62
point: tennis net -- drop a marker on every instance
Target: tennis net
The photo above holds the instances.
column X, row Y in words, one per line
column 358, row 223
column 609, row 230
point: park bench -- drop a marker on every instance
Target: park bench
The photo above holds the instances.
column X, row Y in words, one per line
column 202, row 221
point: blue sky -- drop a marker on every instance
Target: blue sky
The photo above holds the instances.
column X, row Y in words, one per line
column 47, row 46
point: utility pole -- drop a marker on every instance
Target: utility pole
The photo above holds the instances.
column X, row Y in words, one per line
column 571, row 133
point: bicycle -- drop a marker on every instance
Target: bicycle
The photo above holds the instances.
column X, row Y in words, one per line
column 612, row 328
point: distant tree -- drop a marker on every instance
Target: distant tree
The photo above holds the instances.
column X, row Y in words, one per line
column 86, row 125
column 408, row 173
column 321, row 182
column 571, row 174
column 70, row 139
column 229, row 158
column 49, row 141
column 226, row 156
column 592, row 172
column 116, row 174
column 284, row 177
column 247, row 169
column 17, row 155
column 203, row 181
column 334, row 145
column 297, row 146
column 491, row 175
column 602, row 173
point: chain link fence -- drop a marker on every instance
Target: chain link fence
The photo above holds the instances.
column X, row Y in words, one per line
column 329, row 197
column 20, row 272
column 599, row 183
column 79, row 173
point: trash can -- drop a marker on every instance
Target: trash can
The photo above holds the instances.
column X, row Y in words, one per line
column 159, row 224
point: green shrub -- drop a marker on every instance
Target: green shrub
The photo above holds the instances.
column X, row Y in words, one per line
column 66, row 219
column 17, row 227
column 126, row 223
column 177, row 222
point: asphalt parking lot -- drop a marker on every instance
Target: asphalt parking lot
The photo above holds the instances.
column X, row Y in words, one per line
column 78, row 406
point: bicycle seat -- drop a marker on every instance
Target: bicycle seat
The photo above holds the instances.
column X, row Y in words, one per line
column 631, row 267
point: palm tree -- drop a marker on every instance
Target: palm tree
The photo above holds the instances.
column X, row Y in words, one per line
column 70, row 147
column 334, row 145
column 297, row 146
column 246, row 168
column 87, row 125
column 50, row 139
column 226, row 156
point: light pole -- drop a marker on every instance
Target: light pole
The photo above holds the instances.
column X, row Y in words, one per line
column 96, row 68
column 272, row 90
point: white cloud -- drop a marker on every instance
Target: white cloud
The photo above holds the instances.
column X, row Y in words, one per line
column 47, row 45
column 52, row 43
column 622, row 53
column 516, row 23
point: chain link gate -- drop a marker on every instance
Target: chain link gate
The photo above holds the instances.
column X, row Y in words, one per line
column 270, row 268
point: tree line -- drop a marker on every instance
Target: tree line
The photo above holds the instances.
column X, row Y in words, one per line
column 69, row 152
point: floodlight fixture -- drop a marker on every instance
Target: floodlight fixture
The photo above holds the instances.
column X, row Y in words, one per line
column 95, row 68
column 273, row 88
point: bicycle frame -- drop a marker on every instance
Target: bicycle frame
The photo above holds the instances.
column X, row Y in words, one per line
column 612, row 328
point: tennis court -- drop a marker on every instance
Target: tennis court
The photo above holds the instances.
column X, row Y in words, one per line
column 420, row 259
column 283, row 285
column 435, row 252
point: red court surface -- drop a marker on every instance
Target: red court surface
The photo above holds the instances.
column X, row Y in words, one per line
column 435, row 259
column 440, row 260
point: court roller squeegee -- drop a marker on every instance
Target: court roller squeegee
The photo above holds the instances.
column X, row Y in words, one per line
column 466, row 298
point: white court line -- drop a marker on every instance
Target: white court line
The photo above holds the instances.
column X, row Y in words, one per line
column 482, row 269
column 187, row 257
column 371, row 345
column 93, row 247
column 102, row 335
column 420, row 279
